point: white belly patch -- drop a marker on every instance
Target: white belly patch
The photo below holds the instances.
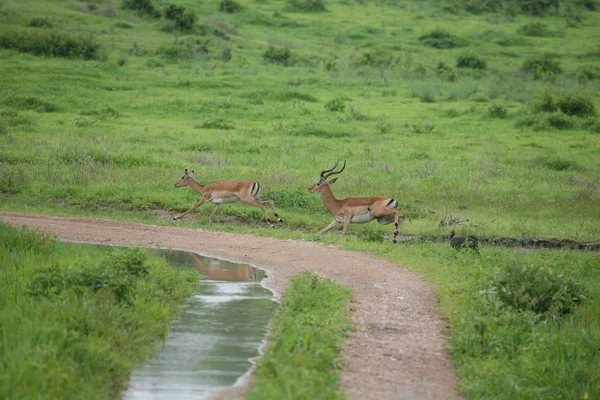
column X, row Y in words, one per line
column 362, row 218
column 225, row 200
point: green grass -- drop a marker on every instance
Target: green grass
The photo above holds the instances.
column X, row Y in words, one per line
column 513, row 147
column 302, row 359
column 77, row 320
column 499, row 351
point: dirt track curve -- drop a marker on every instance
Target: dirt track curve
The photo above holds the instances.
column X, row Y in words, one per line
column 397, row 350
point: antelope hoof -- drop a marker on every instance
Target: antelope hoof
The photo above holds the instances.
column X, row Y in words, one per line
column 175, row 218
column 395, row 241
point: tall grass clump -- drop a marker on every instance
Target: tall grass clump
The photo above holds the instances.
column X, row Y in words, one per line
column 542, row 67
column 278, row 55
column 143, row 7
column 51, row 43
column 470, row 61
column 441, row 39
column 178, row 18
column 306, row 5
column 78, row 319
column 302, row 359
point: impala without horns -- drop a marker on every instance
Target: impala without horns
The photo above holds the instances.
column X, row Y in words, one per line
column 357, row 210
column 222, row 192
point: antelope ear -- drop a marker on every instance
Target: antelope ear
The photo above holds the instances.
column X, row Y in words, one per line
column 331, row 181
column 192, row 172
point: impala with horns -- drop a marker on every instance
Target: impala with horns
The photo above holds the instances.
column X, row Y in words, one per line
column 221, row 192
column 357, row 210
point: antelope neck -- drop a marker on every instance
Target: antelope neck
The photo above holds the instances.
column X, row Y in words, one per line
column 331, row 203
column 197, row 186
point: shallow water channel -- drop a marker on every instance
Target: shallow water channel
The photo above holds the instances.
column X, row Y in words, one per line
column 219, row 330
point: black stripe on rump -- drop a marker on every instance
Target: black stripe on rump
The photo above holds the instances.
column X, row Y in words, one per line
column 255, row 189
column 392, row 204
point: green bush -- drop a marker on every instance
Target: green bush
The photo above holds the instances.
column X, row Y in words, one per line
column 497, row 111
column 144, row 7
column 12, row 179
column 377, row 58
column 445, row 72
column 40, row 22
column 53, row 44
column 470, row 61
column 441, row 39
column 570, row 105
column 335, row 105
column 536, row 29
column 278, row 55
column 539, row 290
column 229, row 6
column 544, row 66
column 588, row 73
column 307, row 5
column 180, row 18
column 538, row 7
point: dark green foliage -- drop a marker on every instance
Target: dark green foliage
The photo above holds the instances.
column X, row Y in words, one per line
column 470, row 61
column 445, row 72
column 569, row 104
column 181, row 19
column 497, row 111
column 545, row 66
column 12, row 179
column 539, row 290
column 537, row 29
column 51, row 43
column 441, row 39
column 588, row 73
column 229, row 6
column 40, row 22
column 226, row 55
column 301, row 360
column 307, row 5
column 377, row 58
column 555, row 163
column 335, row 105
column 538, row 7
column 144, row 7
column 278, row 55
column 30, row 103
column 183, row 50
column 217, row 123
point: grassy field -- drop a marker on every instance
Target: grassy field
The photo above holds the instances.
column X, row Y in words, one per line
column 485, row 115
column 76, row 320
column 302, row 358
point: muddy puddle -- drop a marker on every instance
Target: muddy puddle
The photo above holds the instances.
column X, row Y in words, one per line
column 220, row 330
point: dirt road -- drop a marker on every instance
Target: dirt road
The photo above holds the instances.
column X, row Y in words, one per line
column 397, row 350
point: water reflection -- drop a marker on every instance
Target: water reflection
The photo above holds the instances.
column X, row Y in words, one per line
column 220, row 329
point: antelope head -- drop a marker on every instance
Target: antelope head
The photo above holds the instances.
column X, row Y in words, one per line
column 186, row 179
column 323, row 182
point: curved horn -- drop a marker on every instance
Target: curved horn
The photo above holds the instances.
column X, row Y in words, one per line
column 329, row 170
column 335, row 172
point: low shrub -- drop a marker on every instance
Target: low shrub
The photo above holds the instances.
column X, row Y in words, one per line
column 40, row 22
column 537, row 29
column 144, row 7
column 50, row 43
column 12, row 179
column 335, row 105
column 588, row 73
column 180, row 18
column 377, row 58
column 278, row 55
column 307, row 5
column 441, row 39
column 30, row 103
column 470, row 61
column 229, row 6
column 540, row 67
column 571, row 105
column 217, row 123
column 539, row 290
column 497, row 111
column 445, row 72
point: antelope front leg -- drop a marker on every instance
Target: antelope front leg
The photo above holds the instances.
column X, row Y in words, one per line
column 198, row 204
column 330, row 226
column 212, row 215
column 347, row 219
column 397, row 224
